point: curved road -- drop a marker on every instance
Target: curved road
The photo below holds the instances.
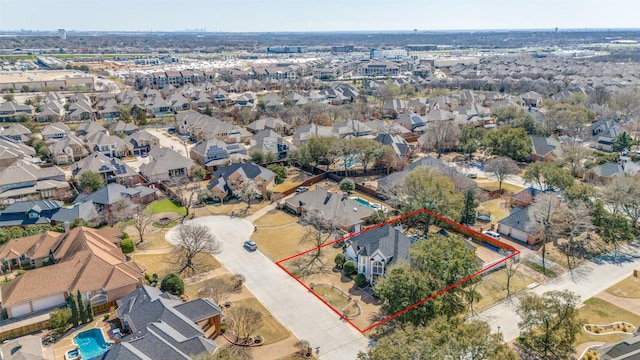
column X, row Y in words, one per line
column 297, row 309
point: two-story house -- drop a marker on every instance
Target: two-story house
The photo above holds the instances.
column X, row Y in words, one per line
column 227, row 179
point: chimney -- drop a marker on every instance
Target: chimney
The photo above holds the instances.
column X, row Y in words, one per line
column 66, row 227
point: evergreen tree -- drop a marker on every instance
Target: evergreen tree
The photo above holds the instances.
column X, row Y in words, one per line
column 470, row 205
column 89, row 311
column 82, row 314
column 74, row 311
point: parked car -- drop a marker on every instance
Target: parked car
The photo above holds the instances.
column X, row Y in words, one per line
column 492, row 234
column 301, row 189
column 250, row 245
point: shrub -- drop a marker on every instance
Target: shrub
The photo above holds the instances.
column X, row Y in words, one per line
column 124, row 235
column 59, row 320
column 347, row 185
column 223, row 328
column 361, row 280
column 173, row 284
column 280, row 172
column 106, row 317
column 349, row 268
column 340, row 260
column 127, row 245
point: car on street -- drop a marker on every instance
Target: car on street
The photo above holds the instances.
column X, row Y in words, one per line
column 250, row 245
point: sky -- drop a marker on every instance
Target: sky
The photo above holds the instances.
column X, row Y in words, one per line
column 314, row 15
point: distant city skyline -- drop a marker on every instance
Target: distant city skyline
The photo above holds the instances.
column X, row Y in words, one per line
column 314, row 15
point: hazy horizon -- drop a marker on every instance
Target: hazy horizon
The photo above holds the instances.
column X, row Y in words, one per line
column 288, row 16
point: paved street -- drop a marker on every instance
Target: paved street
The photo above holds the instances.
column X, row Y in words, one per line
column 291, row 304
column 586, row 281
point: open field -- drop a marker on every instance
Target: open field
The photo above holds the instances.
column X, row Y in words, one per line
column 273, row 242
column 627, row 288
column 162, row 264
column 271, row 330
column 600, row 312
column 493, row 287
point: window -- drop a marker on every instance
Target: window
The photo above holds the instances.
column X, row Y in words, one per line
column 377, row 268
column 233, row 183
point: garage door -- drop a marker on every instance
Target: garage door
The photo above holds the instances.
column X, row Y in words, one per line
column 20, row 310
column 48, row 302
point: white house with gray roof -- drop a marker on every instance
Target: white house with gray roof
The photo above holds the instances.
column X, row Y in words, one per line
column 373, row 250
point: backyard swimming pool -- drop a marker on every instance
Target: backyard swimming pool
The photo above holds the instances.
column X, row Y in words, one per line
column 364, row 202
column 91, row 343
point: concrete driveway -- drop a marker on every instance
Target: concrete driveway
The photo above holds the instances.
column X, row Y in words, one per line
column 297, row 309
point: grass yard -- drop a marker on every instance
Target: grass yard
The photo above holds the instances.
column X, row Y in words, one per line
column 538, row 267
column 493, row 287
column 599, row 312
column 165, row 205
column 236, row 207
column 627, row 288
column 221, row 280
column 294, row 178
column 152, row 240
column 275, row 218
column 337, row 299
column 271, row 330
column 279, row 243
column 498, row 212
column 162, row 264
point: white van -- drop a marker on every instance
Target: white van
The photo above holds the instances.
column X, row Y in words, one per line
column 493, row 234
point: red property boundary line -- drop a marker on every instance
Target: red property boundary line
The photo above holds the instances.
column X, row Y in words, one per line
column 514, row 252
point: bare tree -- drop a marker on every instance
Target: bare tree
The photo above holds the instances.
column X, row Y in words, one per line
column 220, row 290
column 247, row 191
column 574, row 157
column 440, row 136
column 568, row 223
column 184, row 192
column 511, row 269
column 541, row 213
column 118, row 211
column 502, row 168
column 247, row 321
column 192, row 240
column 623, row 195
column 318, row 232
column 141, row 221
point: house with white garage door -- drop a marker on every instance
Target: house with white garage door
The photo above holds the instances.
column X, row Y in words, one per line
column 85, row 261
column 517, row 226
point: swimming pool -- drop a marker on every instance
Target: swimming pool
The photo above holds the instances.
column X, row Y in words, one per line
column 72, row 354
column 360, row 201
column 91, row 343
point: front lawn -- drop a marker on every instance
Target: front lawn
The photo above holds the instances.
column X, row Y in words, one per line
column 165, row 205
column 627, row 288
column 271, row 330
column 235, row 207
column 599, row 312
column 493, row 287
column 498, row 212
column 220, row 280
column 495, row 185
column 163, row 264
column 152, row 240
column 275, row 218
column 281, row 242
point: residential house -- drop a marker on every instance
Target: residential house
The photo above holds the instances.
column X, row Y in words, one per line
column 165, row 164
column 227, row 179
column 399, row 145
column 524, row 197
column 396, row 106
column 334, row 208
column 518, row 226
column 157, row 106
column 108, row 109
column 81, row 110
column 602, row 133
column 178, row 102
column 270, row 142
column 200, row 127
column 89, row 127
column 17, row 132
column 111, row 169
column 51, row 112
column 30, row 212
column 376, row 248
column 532, row 99
column 269, row 123
column 11, row 151
column 383, row 126
column 106, row 197
column 27, row 347
column 67, row 150
column 55, row 130
column 141, row 142
column 306, row 132
column 24, row 180
column 121, row 128
column 108, row 145
column 85, row 261
column 67, row 214
column 213, row 153
column 412, row 122
column 626, row 349
column 161, row 326
column 350, row 128
column 607, row 172
column 545, row 148
column 13, row 111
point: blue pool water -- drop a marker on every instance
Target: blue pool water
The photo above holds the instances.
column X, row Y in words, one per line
column 91, row 343
column 360, row 201
column 72, row 354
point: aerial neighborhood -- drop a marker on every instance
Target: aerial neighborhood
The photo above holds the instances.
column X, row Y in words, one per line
column 205, row 199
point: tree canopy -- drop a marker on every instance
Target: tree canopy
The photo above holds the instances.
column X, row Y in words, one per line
column 508, row 141
column 91, row 181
